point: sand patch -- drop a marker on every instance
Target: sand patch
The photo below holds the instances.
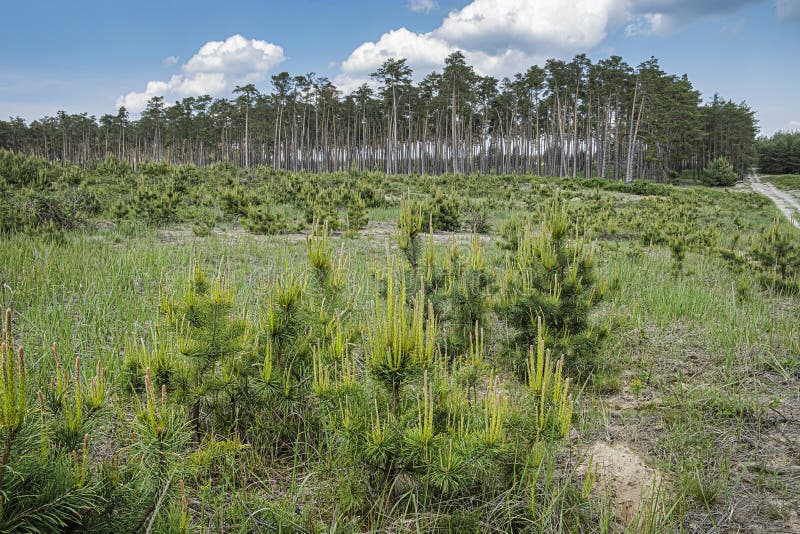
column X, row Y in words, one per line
column 624, row 477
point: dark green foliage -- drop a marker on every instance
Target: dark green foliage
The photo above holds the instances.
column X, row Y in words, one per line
column 551, row 275
column 460, row 290
column 44, row 210
column 153, row 204
column 444, row 211
column 409, row 227
column 23, row 170
column 236, row 202
column 719, row 173
column 211, row 340
column 779, row 154
column 677, row 247
column 777, row 253
column 322, row 206
column 262, row 220
column 477, row 217
column 356, row 213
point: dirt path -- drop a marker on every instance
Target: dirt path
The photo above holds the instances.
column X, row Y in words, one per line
column 788, row 205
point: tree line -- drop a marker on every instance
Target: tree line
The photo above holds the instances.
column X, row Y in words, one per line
column 779, row 154
column 577, row 118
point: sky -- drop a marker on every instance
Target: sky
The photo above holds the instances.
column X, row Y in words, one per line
column 94, row 56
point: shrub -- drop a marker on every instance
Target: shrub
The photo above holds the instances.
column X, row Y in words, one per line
column 552, row 276
column 235, row 202
column 262, row 220
column 210, row 339
column 719, row 173
column 154, row 204
column 30, row 210
column 477, row 218
column 444, row 212
column 356, row 213
column 777, row 253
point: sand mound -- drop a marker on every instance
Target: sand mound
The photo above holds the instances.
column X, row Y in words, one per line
column 623, row 475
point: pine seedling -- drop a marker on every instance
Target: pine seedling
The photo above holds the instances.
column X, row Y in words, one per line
column 14, row 406
column 74, row 410
column 80, row 465
column 44, row 438
column 265, row 371
column 430, row 256
column 495, row 408
column 321, row 373
column 552, row 276
column 161, row 434
column 98, row 387
column 211, row 339
column 318, row 248
column 400, row 344
column 185, row 518
column 356, row 214
column 423, row 432
column 409, row 226
column 13, row 410
column 376, row 450
column 589, row 478
column 554, row 404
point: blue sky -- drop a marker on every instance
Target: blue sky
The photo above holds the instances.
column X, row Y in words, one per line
column 93, row 56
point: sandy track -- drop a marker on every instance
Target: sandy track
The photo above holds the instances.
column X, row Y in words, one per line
column 788, row 205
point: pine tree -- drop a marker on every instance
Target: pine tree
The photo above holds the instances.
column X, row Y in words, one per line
column 551, row 276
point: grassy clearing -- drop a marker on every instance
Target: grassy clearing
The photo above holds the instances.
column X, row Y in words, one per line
column 309, row 422
column 786, row 182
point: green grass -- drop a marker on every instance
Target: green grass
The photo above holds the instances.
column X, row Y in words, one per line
column 696, row 367
column 787, row 182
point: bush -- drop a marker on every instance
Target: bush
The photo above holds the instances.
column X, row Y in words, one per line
column 356, row 213
column 552, row 277
column 28, row 210
column 777, row 253
column 263, row 221
column 154, row 204
column 719, row 173
column 444, row 212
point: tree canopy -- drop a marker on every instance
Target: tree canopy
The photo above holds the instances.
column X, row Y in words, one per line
column 779, row 154
column 605, row 119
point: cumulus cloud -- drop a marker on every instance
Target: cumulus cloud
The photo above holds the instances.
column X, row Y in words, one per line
column 215, row 69
column 500, row 37
column 496, row 36
column 422, row 50
column 422, row 6
column 496, row 25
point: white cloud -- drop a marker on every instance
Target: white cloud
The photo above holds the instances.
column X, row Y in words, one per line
column 347, row 83
column 215, row 69
column 422, row 50
column 422, row 6
column 169, row 61
column 496, row 25
column 500, row 37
